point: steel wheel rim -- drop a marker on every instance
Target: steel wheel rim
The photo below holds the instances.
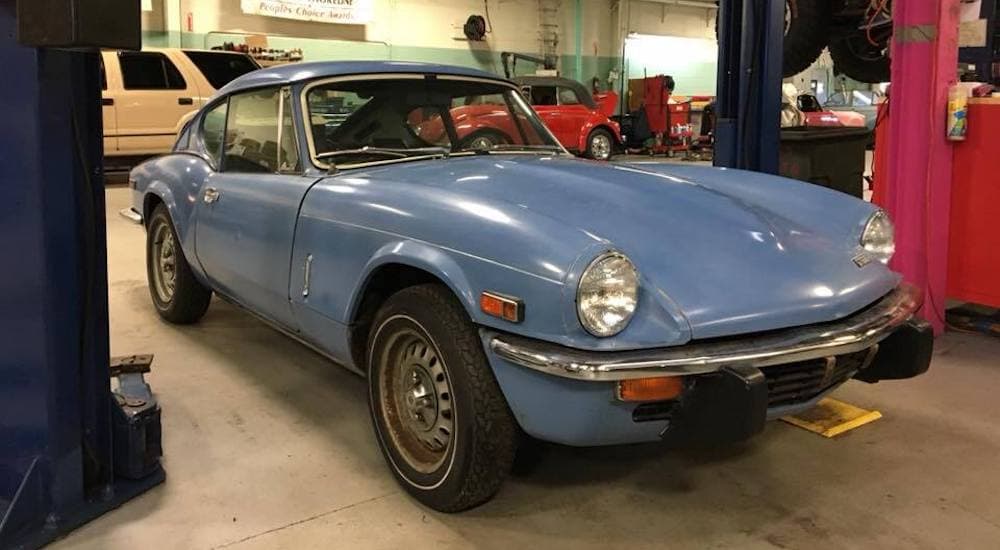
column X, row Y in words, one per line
column 164, row 258
column 482, row 143
column 600, row 147
column 416, row 400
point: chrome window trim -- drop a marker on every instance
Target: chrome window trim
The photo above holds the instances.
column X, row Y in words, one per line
column 851, row 334
column 307, row 114
column 281, row 127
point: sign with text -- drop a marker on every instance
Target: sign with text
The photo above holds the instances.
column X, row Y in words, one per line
column 349, row 12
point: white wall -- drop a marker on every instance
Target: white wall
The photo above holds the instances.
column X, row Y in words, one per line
column 676, row 40
column 422, row 23
column 669, row 20
column 436, row 23
column 431, row 30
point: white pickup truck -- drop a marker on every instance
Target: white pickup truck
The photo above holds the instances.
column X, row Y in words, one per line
column 149, row 94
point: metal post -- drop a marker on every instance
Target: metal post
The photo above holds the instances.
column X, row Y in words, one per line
column 918, row 195
column 56, row 448
column 749, row 84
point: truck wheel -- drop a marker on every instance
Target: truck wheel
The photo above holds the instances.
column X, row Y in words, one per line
column 807, row 31
column 177, row 295
column 600, row 144
column 440, row 418
column 856, row 57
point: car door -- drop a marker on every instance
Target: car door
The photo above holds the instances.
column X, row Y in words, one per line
column 154, row 98
column 247, row 210
column 574, row 115
column 545, row 102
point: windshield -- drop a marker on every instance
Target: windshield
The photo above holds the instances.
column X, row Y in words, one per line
column 364, row 120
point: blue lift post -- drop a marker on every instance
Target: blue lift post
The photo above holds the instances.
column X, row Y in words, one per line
column 57, row 412
column 748, row 107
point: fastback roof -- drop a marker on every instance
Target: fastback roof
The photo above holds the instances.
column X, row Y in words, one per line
column 298, row 72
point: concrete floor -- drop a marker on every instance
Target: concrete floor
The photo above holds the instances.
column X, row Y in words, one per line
column 269, row 446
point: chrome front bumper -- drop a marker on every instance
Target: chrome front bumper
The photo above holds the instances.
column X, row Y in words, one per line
column 852, row 334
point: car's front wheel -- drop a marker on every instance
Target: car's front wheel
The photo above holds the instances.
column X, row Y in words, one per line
column 441, row 420
column 176, row 294
column 600, row 144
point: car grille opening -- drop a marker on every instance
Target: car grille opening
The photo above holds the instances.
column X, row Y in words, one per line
column 795, row 383
column 649, row 412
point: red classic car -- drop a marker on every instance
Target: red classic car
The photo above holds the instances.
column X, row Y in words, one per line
column 579, row 120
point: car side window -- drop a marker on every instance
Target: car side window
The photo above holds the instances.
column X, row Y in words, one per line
column 567, row 96
column 544, row 95
column 252, row 132
column 213, row 128
column 149, row 71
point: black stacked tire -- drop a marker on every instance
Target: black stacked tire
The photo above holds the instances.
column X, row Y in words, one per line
column 807, row 31
column 859, row 59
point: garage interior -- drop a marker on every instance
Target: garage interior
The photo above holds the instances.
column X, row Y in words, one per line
column 267, row 444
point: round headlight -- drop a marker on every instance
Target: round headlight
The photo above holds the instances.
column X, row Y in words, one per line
column 879, row 237
column 608, row 294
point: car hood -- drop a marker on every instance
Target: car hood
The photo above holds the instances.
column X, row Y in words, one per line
column 735, row 252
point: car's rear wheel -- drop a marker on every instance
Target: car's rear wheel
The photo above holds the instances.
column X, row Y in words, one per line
column 484, row 140
column 176, row 294
column 441, row 420
column 600, row 144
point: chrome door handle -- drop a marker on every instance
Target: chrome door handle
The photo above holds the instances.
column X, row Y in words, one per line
column 211, row 195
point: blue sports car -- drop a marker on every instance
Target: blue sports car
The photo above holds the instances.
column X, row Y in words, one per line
column 491, row 292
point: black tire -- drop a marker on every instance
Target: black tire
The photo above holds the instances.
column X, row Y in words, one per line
column 593, row 149
column 855, row 57
column 189, row 299
column 807, row 31
column 484, row 140
column 479, row 453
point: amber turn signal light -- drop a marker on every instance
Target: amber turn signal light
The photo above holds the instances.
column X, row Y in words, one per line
column 504, row 307
column 650, row 389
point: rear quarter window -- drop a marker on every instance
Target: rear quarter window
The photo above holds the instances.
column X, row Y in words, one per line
column 213, row 127
column 184, row 138
column 221, row 68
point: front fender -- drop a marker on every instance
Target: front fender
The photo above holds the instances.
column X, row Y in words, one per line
column 421, row 256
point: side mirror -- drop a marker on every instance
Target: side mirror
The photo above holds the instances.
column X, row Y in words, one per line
column 526, row 93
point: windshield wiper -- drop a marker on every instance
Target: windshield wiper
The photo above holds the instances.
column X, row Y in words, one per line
column 386, row 151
